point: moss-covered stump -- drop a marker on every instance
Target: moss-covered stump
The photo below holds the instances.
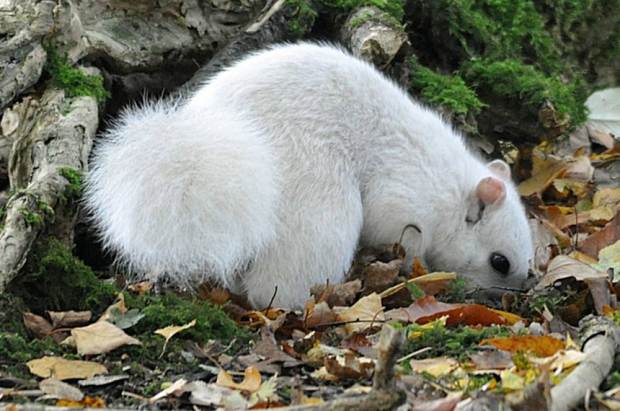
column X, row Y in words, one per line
column 518, row 57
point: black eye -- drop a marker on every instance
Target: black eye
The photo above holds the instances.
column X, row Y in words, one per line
column 499, row 263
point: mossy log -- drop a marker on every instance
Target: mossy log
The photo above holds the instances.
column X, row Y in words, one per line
column 51, row 142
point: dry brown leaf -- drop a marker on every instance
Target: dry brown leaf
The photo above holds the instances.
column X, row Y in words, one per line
column 38, row 325
column 69, row 318
column 365, row 313
column 378, row 275
column 541, row 345
column 601, row 239
column 601, row 137
column 337, row 294
column 251, row 380
column 270, row 349
column 563, row 266
column 141, row 288
column 545, row 170
column 100, row 337
column 317, row 315
column 349, row 366
column 62, row 369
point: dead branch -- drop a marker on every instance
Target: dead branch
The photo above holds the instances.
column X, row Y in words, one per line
column 601, row 342
column 53, row 134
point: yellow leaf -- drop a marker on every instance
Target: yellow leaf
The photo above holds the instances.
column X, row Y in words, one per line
column 435, row 366
column 251, row 380
column 512, row 381
column 367, row 310
column 100, row 337
column 170, row 331
column 62, row 369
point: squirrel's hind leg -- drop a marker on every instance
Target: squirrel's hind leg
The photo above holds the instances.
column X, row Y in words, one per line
column 314, row 244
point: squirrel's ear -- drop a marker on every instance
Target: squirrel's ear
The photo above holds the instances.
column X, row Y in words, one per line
column 491, row 190
column 500, row 168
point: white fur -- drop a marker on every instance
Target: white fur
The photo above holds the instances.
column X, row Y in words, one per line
column 281, row 165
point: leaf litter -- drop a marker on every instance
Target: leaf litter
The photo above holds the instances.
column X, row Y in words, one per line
column 459, row 348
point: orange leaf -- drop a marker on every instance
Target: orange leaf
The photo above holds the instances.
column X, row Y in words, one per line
column 428, row 309
column 543, row 346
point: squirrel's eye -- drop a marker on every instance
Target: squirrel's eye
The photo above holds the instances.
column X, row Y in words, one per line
column 499, row 263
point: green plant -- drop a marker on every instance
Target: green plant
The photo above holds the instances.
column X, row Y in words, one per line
column 73, row 80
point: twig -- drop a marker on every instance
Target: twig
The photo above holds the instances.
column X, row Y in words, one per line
column 601, row 343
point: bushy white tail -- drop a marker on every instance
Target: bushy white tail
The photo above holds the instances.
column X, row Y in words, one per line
column 187, row 194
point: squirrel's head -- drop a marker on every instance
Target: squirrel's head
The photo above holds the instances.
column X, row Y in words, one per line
column 491, row 244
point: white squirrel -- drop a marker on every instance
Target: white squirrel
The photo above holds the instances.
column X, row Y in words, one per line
column 276, row 169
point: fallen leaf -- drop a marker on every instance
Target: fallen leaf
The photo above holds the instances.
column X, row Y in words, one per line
column 209, row 395
column 379, row 275
column 337, row 294
column 141, row 288
column 318, row 314
column 428, row 283
column 125, row 320
column 87, row 402
column 269, row 348
column 251, row 380
column 117, row 307
column 62, row 369
column 38, row 325
column 60, row 390
column 428, row 309
column 367, row 312
column 601, row 239
column 100, row 337
column 436, row 367
column 563, row 266
column 512, row 381
column 349, row 366
column 69, row 319
column 266, row 394
column 541, row 345
column 171, row 330
column 101, row 380
column 609, row 259
column 545, row 170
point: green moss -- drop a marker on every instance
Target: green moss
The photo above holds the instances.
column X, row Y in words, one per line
column 395, row 8
column 16, row 348
column 303, row 17
column 74, row 177
column 525, row 83
column 500, row 29
column 169, row 309
column 32, row 218
column 53, row 279
column 73, row 80
column 441, row 90
column 455, row 342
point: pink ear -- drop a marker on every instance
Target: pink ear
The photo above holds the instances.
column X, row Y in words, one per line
column 500, row 169
column 491, row 190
